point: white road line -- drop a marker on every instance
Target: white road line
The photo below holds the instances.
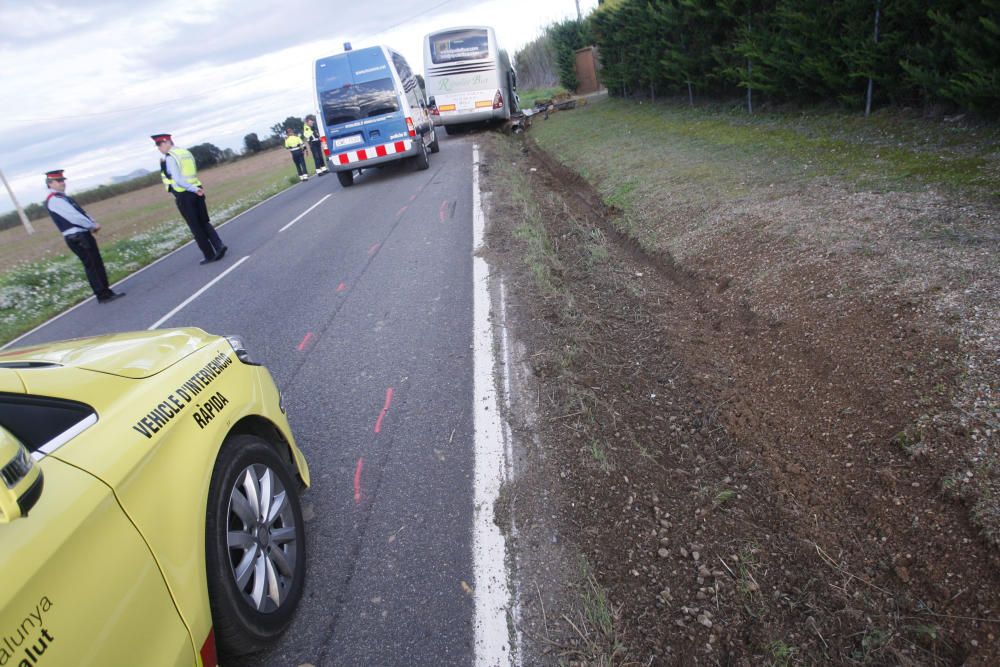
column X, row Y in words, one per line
column 304, row 213
column 197, row 294
column 52, row 319
column 508, row 437
column 489, row 549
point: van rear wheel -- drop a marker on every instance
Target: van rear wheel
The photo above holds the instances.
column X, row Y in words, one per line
column 421, row 158
column 434, row 144
column 346, row 178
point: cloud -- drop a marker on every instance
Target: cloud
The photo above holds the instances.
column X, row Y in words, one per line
column 92, row 81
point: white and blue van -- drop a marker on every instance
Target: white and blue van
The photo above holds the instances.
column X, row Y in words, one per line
column 373, row 111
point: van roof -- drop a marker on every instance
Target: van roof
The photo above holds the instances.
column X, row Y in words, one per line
column 353, row 67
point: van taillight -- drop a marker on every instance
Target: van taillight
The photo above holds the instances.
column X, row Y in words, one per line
column 434, row 110
column 498, row 100
column 326, row 150
column 409, row 127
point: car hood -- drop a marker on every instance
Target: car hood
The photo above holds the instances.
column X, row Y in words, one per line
column 133, row 355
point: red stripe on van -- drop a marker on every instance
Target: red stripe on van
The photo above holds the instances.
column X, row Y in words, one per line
column 362, row 155
column 380, row 151
column 400, row 147
column 342, row 158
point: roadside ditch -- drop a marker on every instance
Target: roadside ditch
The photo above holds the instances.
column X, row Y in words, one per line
column 704, row 480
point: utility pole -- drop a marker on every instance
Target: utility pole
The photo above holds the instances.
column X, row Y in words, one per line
column 579, row 16
column 20, row 211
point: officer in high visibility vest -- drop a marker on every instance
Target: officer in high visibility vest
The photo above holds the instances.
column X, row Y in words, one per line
column 78, row 230
column 311, row 134
column 180, row 176
column 295, row 146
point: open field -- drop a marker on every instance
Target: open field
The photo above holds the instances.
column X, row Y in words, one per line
column 41, row 277
column 761, row 385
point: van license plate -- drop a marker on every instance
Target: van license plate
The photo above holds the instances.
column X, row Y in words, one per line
column 348, row 141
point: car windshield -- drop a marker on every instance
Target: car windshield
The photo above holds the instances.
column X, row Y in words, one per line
column 459, row 45
column 361, row 100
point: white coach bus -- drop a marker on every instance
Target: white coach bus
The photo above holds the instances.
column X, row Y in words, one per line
column 468, row 77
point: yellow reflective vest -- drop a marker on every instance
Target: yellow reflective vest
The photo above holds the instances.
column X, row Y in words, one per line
column 293, row 143
column 189, row 169
column 308, row 134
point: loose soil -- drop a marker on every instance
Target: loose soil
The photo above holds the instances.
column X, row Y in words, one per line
column 749, row 476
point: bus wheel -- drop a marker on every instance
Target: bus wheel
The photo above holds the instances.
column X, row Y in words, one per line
column 434, row 144
column 421, row 158
column 452, row 129
column 346, row 178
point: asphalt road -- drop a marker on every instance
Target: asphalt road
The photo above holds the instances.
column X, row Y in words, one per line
column 362, row 310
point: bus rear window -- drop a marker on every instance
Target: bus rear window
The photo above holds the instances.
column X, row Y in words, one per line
column 356, row 101
column 458, row 45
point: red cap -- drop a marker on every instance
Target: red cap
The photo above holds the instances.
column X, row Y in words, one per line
column 160, row 138
column 54, row 174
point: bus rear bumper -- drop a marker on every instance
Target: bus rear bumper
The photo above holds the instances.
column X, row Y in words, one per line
column 477, row 116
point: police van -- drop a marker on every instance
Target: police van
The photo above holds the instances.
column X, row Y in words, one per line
column 373, row 111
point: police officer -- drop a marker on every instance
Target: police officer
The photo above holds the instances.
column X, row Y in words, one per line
column 295, row 145
column 180, row 176
column 78, row 230
column 311, row 134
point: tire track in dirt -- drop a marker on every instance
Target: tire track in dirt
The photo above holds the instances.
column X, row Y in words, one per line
column 757, row 497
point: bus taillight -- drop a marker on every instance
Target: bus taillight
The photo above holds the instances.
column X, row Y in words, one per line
column 498, row 100
column 409, row 127
column 326, row 151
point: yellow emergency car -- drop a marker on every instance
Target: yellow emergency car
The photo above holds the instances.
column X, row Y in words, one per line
column 149, row 502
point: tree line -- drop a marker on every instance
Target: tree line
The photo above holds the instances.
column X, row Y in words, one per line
column 855, row 53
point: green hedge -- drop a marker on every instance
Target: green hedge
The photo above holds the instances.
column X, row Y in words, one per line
column 805, row 51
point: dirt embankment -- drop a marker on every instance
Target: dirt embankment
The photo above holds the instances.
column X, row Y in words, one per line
column 754, row 473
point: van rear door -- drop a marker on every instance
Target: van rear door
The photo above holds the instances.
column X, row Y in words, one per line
column 360, row 100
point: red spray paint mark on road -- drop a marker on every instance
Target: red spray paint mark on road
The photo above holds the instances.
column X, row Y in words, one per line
column 374, row 248
column 443, row 211
column 385, row 408
column 413, row 197
column 357, row 481
column 401, row 212
column 305, row 341
column 342, row 286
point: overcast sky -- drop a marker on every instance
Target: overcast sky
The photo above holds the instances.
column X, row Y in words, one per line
column 84, row 84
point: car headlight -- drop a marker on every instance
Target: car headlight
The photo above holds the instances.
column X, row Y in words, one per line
column 240, row 348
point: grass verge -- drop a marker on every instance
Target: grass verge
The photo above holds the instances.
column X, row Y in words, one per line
column 528, row 98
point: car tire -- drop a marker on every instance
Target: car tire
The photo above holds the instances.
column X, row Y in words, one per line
column 421, row 158
column 346, row 178
column 256, row 566
column 435, row 147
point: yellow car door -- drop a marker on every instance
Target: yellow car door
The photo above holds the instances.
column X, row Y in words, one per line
column 79, row 585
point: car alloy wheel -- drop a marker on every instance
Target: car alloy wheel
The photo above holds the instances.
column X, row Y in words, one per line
column 255, row 544
column 262, row 538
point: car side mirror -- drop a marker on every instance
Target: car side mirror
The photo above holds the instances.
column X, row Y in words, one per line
column 20, row 479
